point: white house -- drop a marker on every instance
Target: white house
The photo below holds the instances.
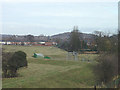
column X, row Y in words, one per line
column 2, row 43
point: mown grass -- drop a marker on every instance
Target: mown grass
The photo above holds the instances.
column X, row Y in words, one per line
column 55, row 73
column 29, row 50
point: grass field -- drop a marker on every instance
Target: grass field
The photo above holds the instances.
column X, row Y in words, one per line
column 55, row 73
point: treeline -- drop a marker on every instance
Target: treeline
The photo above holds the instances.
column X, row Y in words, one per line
column 106, row 69
column 105, row 42
column 102, row 42
column 25, row 38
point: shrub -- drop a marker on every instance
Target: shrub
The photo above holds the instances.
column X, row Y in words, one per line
column 18, row 60
column 106, row 68
column 5, row 58
column 12, row 62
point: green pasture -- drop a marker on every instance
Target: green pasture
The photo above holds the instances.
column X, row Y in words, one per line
column 54, row 73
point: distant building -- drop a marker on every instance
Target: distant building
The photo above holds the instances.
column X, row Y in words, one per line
column 2, row 43
column 28, row 43
column 43, row 43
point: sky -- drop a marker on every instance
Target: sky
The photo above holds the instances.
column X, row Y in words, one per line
column 36, row 17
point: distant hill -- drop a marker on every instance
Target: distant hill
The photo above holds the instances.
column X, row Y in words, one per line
column 63, row 36
column 84, row 36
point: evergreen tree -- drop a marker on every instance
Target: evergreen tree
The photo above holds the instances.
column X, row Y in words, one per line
column 75, row 40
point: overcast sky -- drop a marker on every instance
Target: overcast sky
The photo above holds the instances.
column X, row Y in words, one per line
column 51, row 17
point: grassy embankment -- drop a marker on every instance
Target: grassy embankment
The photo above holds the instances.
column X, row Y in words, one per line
column 55, row 73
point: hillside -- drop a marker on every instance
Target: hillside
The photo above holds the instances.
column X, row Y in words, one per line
column 55, row 73
column 63, row 36
column 84, row 36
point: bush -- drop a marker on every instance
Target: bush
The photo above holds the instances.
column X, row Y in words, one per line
column 106, row 68
column 5, row 58
column 18, row 60
column 12, row 62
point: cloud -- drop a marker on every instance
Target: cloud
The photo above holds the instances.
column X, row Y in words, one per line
column 22, row 1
